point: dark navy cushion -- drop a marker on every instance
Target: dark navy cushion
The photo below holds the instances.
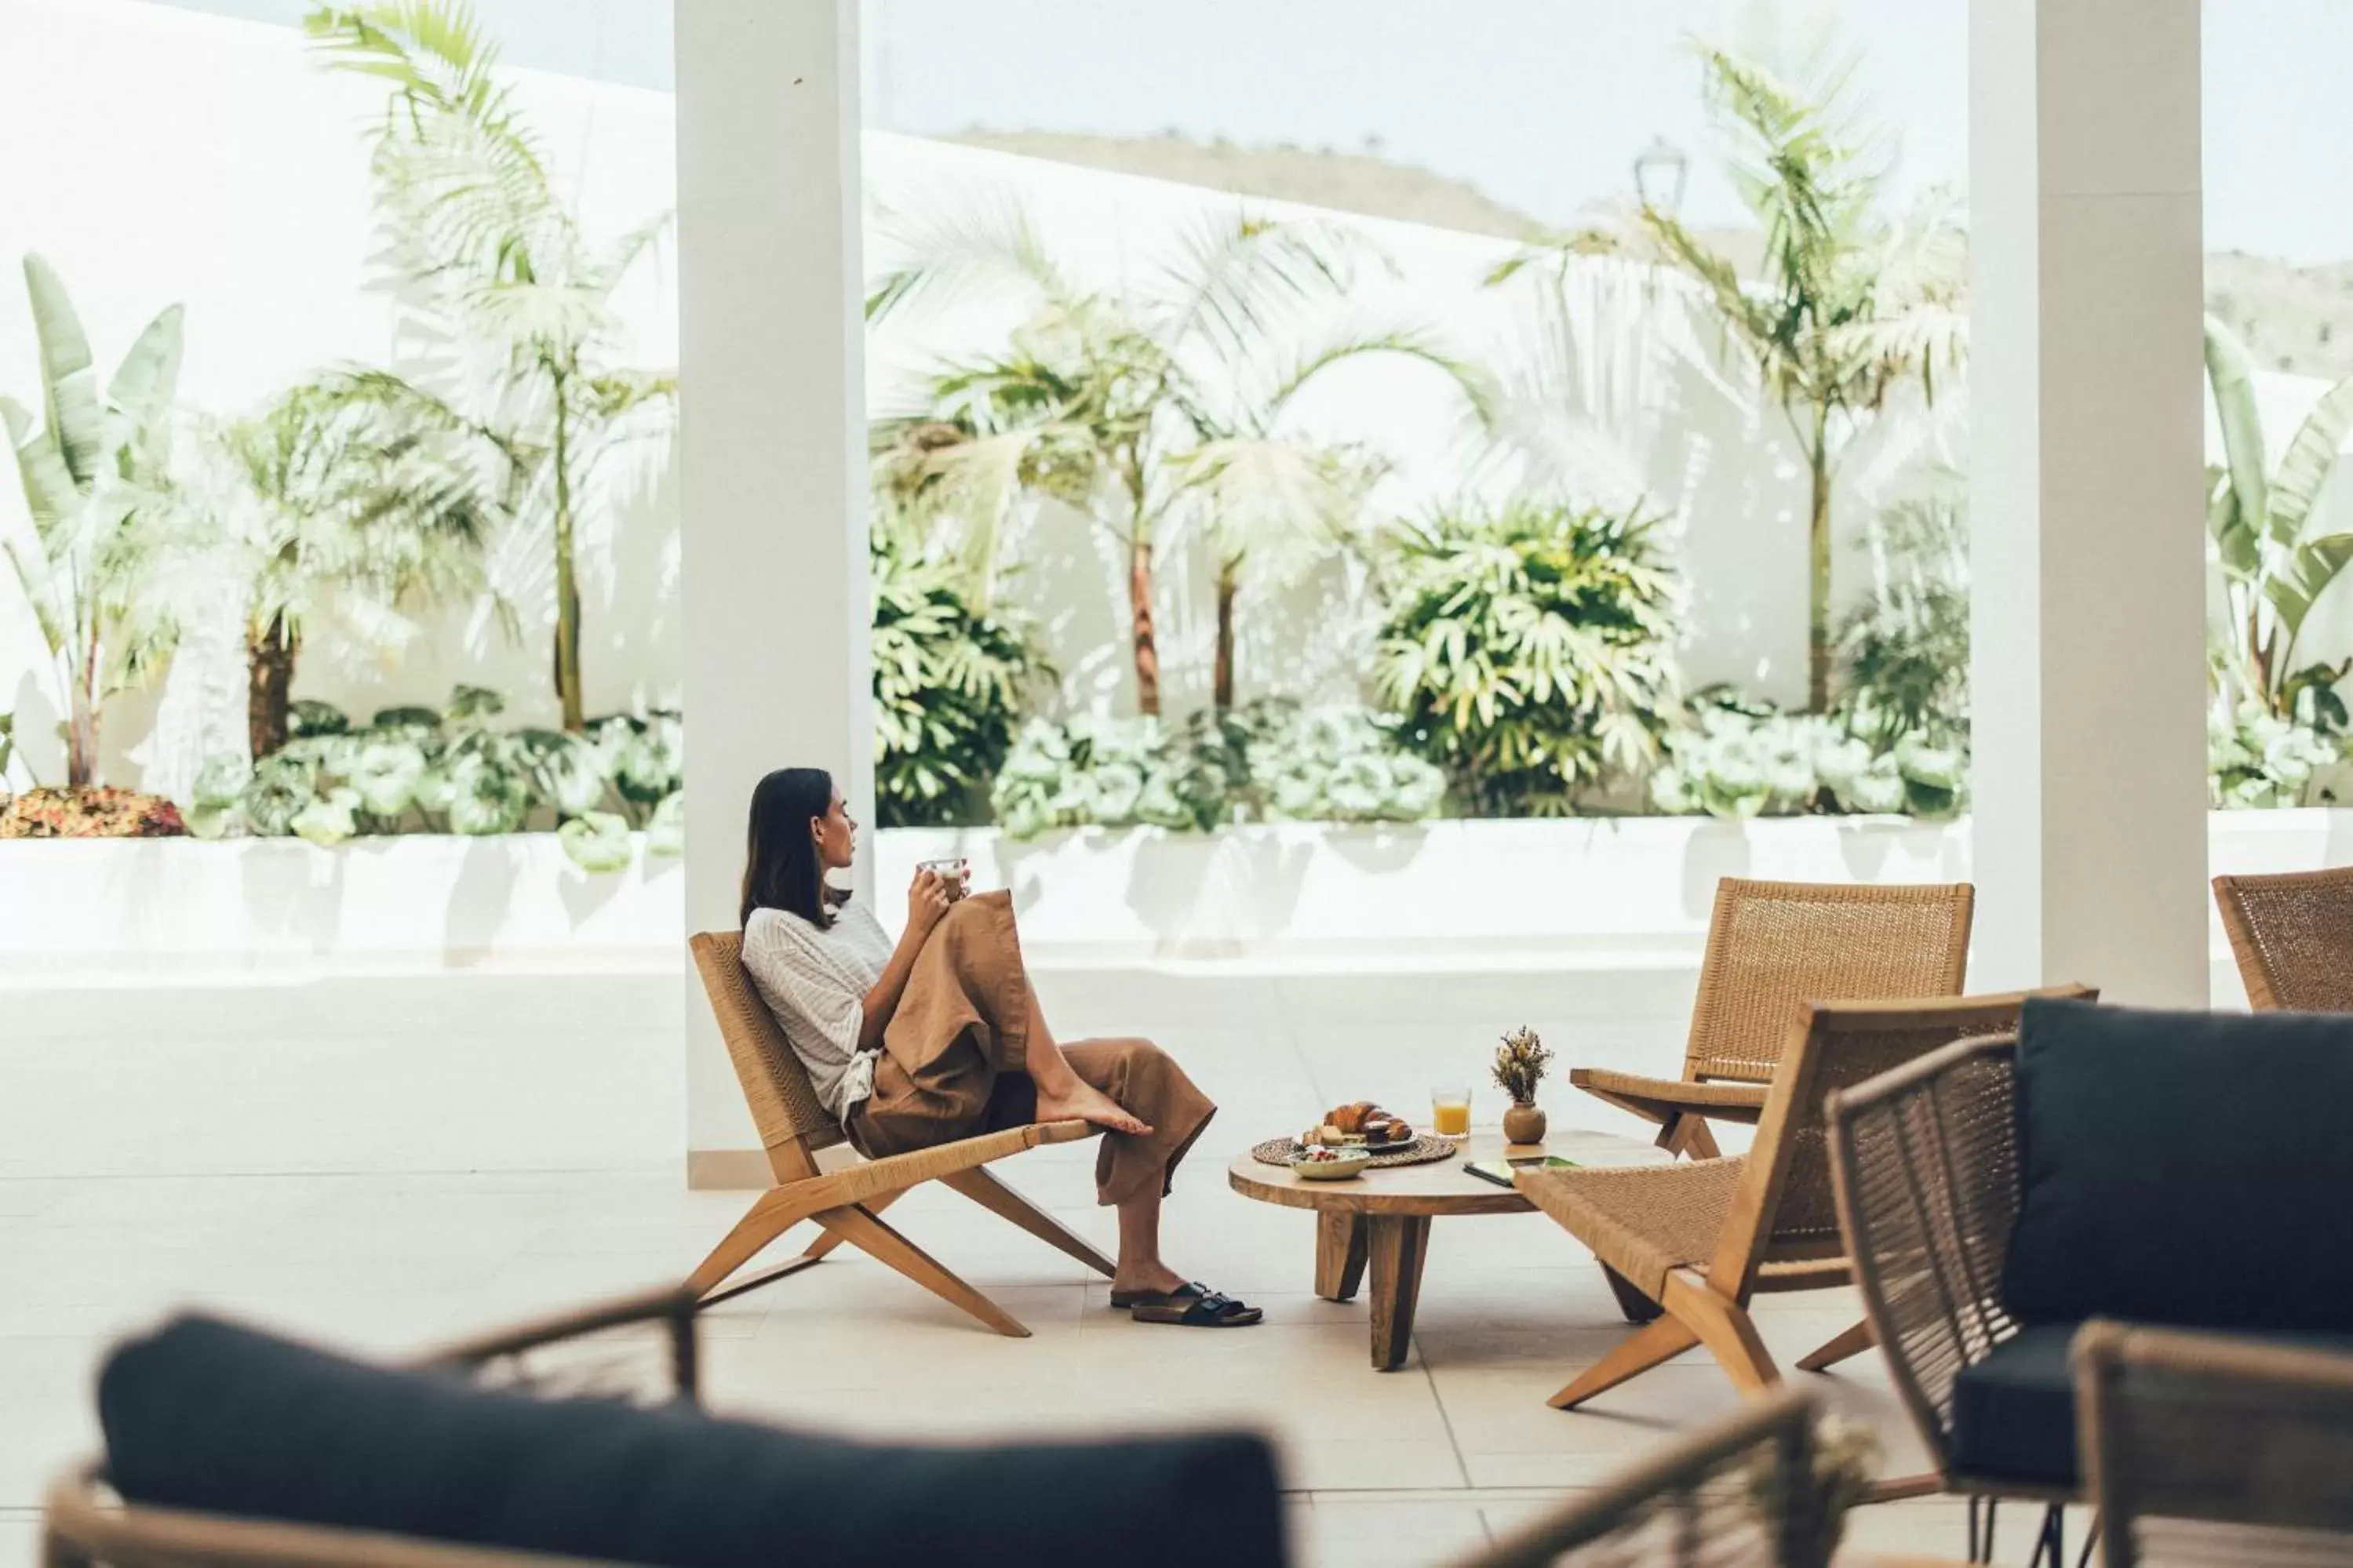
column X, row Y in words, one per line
column 2181, row 1168
column 2014, row 1412
column 202, row 1414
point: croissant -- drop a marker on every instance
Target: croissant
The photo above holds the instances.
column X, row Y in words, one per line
column 1351, row 1117
column 1382, row 1128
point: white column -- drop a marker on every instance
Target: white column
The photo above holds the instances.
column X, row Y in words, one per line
column 2089, row 557
column 772, row 458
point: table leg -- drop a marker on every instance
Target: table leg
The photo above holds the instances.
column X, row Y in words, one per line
column 1400, row 1243
column 1339, row 1254
column 1637, row 1307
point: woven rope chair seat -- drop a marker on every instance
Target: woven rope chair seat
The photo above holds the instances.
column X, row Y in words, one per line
column 1645, row 1221
column 1679, row 1092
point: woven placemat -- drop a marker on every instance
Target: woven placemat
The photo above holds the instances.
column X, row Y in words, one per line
column 1422, row 1151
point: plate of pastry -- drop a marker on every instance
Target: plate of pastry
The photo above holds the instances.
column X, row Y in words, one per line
column 1361, row 1124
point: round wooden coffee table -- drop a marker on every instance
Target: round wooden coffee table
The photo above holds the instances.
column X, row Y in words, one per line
column 1381, row 1219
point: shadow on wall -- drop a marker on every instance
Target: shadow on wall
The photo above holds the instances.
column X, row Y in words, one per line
column 293, row 895
column 479, row 897
column 1244, row 891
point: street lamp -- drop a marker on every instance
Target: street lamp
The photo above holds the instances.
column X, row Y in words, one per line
column 1660, row 171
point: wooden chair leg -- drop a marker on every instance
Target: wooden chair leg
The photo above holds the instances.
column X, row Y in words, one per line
column 1728, row 1331
column 858, row 1227
column 1853, row 1342
column 770, row 1215
column 826, row 1240
column 1684, row 1133
column 1646, row 1348
column 1635, row 1307
column 1005, row 1203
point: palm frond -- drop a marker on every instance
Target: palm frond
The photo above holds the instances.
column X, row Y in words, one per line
column 1234, row 278
column 988, row 247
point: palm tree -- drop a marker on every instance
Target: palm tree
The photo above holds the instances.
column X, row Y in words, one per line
column 343, row 511
column 1849, row 301
column 501, row 295
column 105, row 531
column 1158, row 409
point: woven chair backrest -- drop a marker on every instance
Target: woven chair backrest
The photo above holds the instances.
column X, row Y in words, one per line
column 2207, row 1450
column 1740, row 1492
column 1926, row 1165
column 784, row 1102
column 1774, row 945
column 1848, row 1044
column 2292, row 936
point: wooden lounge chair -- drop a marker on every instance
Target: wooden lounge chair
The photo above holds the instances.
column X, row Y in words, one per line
column 1770, row 946
column 847, row 1202
column 2292, row 936
column 2203, row 1449
column 1700, row 1238
column 1742, row 1491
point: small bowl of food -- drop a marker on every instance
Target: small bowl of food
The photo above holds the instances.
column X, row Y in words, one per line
column 1323, row 1163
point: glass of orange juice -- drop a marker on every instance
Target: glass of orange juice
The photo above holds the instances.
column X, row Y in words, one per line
column 1449, row 1112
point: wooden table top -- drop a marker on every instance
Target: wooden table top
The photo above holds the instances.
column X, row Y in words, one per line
column 1441, row 1186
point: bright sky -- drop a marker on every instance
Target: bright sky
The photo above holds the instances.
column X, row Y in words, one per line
column 1541, row 103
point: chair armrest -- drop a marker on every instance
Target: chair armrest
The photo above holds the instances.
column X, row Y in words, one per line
column 1924, row 1160
column 1731, row 1101
column 672, row 1307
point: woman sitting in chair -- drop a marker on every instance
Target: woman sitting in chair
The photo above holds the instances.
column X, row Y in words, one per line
column 939, row 1036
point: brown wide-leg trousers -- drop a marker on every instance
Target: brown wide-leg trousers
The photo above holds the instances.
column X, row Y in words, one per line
column 953, row 1053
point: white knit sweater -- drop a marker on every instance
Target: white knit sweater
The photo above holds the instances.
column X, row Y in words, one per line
column 816, row 983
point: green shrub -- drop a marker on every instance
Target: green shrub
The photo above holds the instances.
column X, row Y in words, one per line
column 1736, row 759
column 1334, row 765
column 1525, row 652
column 1104, row 773
column 950, row 684
column 2256, row 760
column 1906, row 652
column 414, row 769
column 1270, row 761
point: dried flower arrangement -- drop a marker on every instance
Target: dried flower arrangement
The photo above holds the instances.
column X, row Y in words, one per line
column 1520, row 1064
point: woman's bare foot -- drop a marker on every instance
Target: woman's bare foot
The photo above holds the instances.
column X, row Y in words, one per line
column 1085, row 1102
column 1155, row 1279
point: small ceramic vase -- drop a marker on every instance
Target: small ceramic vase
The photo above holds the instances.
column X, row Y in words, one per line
column 1523, row 1124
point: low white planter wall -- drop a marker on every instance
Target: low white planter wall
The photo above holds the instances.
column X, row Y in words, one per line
column 1629, row 893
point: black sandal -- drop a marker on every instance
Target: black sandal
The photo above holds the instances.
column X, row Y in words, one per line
column 1193, row 1306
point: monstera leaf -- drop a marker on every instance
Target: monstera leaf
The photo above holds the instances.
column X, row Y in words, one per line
column 597, row 842
column 309, row 717
column 327, row 820
column 485, row 800
column 386, row 775
column 566, row 770
column 666, row 833
column 280, row 788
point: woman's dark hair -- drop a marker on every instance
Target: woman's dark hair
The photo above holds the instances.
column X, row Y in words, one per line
column 781, row 870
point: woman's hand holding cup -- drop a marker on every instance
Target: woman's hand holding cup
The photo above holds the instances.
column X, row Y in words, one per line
column 954, row 875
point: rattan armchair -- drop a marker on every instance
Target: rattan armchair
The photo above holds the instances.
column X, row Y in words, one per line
column 2203, row 1449
column 845, row 1204
column 1924, row 1163
column 1741, row 1492
column 1770, row 946
column 2292, row 937
column 1700, row 1238
column 602, row 1348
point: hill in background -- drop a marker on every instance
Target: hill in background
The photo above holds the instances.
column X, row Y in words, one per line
column 2297, row 318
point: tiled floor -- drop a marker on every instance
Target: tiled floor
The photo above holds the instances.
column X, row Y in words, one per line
column 1424, row 1462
